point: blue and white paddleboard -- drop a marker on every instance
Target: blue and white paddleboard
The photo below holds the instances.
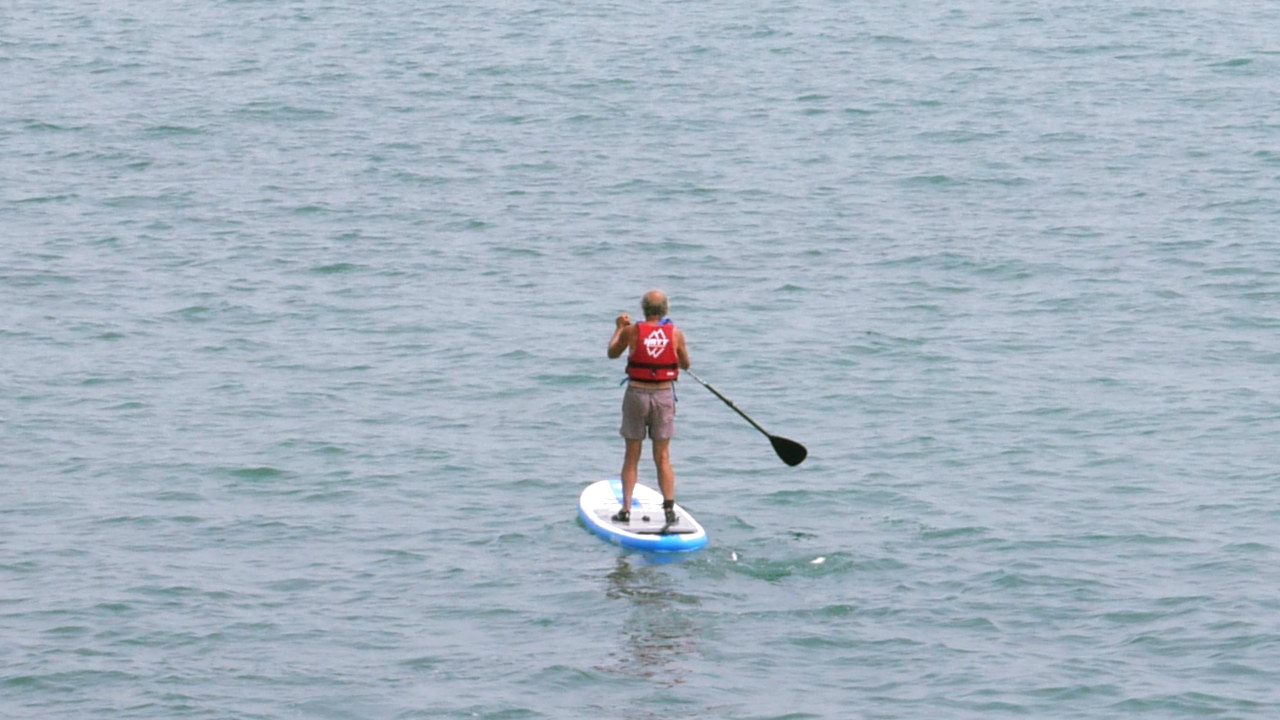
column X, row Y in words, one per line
column 647, row 529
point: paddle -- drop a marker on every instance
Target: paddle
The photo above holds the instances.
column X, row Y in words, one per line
column 791, row 452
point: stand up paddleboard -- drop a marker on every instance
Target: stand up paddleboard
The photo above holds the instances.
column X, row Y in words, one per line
column 647, row 529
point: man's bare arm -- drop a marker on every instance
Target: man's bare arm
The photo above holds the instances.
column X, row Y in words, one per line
column 621, row 339
column 682, row 352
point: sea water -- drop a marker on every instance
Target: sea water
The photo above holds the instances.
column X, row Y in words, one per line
column 303, row 312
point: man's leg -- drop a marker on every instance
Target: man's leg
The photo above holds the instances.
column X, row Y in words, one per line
column 630, row 465
column 666, row 476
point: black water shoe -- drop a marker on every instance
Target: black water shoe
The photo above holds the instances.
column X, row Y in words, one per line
column 622, row 516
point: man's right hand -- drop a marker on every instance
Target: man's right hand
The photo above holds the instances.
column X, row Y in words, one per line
column 622, row 321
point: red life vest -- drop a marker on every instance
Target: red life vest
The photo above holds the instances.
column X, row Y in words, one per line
column 654, row 358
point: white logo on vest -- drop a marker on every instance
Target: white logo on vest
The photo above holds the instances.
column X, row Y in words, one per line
column 655, row 343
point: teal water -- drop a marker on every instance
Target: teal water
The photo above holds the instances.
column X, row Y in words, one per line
column 304, row 315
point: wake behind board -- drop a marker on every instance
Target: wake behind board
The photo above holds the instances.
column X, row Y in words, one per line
column 647, row 529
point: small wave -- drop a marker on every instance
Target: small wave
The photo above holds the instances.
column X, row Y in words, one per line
column 255, row 473
column 336, row 269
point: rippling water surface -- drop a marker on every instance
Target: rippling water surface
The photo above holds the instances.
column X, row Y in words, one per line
column 304, row 315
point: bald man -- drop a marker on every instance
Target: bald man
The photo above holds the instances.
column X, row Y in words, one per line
column 656, row 356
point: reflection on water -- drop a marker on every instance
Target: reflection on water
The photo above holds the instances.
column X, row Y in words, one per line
column 658, row 631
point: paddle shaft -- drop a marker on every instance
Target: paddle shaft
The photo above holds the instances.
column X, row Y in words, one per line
column 729, row 402
column 790, row 451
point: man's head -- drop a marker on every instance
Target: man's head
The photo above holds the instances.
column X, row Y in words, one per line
column 654, row 304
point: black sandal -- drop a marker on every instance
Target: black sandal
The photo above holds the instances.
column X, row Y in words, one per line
column 622, row 516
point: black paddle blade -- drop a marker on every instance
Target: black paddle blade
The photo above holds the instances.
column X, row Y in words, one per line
column 791, row 452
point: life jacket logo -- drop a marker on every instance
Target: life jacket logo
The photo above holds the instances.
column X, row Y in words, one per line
column 656, row 343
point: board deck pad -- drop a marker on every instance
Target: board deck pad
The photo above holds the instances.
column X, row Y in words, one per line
column 649, row 522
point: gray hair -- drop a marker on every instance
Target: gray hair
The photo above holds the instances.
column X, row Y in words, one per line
column 651, row 308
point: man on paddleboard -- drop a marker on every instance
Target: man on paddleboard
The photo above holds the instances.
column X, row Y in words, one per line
column 657, row 354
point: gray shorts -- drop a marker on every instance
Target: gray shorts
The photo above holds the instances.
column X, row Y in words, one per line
column 654, row 409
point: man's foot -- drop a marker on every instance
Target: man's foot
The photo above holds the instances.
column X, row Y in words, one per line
column 622, row 516
column 671, row 515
